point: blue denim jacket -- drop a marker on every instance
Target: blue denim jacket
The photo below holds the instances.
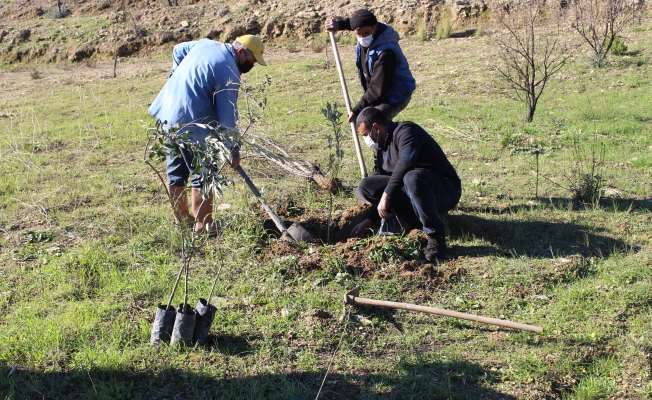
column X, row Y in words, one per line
column 202, row 87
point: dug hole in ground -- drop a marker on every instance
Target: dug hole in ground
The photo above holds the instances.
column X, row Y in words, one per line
column 374, row 256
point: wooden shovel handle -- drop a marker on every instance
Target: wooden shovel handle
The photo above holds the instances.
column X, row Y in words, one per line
column 277, row 221
column 350, row 299
column 345, row 92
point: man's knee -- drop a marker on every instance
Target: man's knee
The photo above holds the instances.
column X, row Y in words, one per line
column 363, row 192
column 412, row 181
column 392, row 110
column 360, row 197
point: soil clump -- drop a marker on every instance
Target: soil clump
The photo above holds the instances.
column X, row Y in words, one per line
column 381, row 257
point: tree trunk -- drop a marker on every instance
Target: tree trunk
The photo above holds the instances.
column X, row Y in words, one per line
column 531, row 107
column 530, row 114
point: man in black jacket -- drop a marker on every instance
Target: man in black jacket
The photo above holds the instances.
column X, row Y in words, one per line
column 383, row 70
column 414, row 178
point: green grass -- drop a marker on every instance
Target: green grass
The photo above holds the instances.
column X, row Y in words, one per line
column 88, row 247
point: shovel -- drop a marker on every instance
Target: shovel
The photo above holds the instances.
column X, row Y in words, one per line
column 351, row 297
column 345, row 92
column 296, row 232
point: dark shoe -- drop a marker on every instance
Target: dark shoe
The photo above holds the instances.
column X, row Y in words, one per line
column 436, row 248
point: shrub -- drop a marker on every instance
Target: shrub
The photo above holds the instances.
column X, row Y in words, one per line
column 347, row 39
column 423, row 33
column 35, row 74
column 588, row 189
column 444, row 26
column 292, row 48
column 619, row 48
column 585, row 182
column 317, row 46
column 58, row 11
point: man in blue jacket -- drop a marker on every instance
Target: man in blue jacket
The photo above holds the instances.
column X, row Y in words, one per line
column 202, row 88
column 382, row 68
column 415, row 179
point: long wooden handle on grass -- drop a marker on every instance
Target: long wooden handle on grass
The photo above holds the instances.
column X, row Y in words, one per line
column 352, row 298
column 345, row 92
column 277, row 221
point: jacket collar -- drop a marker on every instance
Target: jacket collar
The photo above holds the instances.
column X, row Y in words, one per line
column 384, row 34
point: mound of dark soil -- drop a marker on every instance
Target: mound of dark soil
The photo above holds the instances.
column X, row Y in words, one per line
column 357, row 253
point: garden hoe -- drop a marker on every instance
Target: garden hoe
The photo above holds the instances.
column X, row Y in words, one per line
column 295, row 233
column 352, row 298
column 345, row 92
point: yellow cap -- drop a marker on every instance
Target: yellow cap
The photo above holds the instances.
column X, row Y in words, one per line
column 256, row 46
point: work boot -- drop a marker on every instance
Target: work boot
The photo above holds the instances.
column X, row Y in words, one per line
column 436, row 248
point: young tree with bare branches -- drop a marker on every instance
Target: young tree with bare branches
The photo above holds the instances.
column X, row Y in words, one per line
column 600, row 21
column 532, row 48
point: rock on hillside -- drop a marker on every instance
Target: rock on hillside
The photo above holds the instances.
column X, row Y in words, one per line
column 74, row 30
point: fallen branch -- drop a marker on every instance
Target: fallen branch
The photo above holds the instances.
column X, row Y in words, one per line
column 303, row 169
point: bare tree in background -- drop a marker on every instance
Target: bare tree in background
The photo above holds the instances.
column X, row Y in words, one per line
column 532, row 48
column 600, row 21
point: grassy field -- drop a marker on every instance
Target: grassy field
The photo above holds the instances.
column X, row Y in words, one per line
column 88, row 245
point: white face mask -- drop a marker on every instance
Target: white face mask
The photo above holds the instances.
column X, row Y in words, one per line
column 366, row 41
column 370, row 142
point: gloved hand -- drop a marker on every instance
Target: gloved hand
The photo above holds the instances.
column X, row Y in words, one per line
column 362, row 228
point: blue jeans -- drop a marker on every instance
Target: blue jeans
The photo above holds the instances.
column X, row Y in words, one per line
column 424, row 194
column 179, row 169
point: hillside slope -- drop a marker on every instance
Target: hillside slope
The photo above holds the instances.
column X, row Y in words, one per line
column 74, row 30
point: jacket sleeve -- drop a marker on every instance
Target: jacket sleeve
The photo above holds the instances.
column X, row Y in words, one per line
column 409, row 143
column 179, row 53
column 381, row 77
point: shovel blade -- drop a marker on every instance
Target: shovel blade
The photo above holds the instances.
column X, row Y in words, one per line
column 300, row 234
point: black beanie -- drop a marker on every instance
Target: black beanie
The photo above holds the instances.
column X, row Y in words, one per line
column 362, row 18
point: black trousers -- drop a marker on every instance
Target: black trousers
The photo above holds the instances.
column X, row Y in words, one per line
column 424, row 194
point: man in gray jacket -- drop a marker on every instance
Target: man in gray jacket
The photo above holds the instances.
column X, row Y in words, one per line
column 382, row 68
column 415, row 179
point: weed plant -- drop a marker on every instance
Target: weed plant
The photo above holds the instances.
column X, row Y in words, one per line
column 483, row 19
column 587, row 186
column 396, row 249
column 444, row 25
column 423, row 33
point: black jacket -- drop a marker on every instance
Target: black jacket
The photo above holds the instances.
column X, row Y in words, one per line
column 408, row 146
